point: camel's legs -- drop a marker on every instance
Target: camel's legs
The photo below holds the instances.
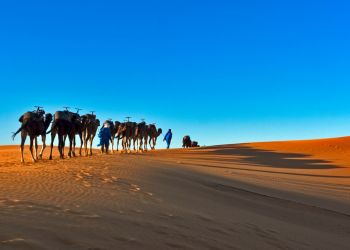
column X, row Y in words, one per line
column 81, row 143
column 117, row 142
column 64, row 143
column 124, row 143
column 51, row 144
column 36, row 147
column 85, row 138
column 43, row 139
column 72, row 145
column 136, row 140
column 53, row 135
column 31, row 148
column 91, row 140
column 112, row 142
column 154, row 140
column 23, row 140
column 150, row 142
column 140, row 146
column 145, row 139
column 61, row 146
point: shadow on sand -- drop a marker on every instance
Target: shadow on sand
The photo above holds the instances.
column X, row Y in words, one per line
column 246, row 155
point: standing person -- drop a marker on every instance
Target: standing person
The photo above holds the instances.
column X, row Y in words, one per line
column 168, row 137
column 105, row 136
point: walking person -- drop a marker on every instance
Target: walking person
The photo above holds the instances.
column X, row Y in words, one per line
column 105, row 136
column 168, row 137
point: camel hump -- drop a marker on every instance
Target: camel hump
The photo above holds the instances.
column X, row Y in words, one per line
column 29, row 116
column 141, row 125
column 129, row 124
column 66, row 115
column 90, row 116
column 61, row 115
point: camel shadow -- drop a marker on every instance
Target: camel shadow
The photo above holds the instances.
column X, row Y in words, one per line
column 259, row 157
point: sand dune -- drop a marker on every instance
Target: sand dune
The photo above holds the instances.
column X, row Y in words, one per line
column 289, row 195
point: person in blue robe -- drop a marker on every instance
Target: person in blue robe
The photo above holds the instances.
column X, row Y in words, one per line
column 168, row 137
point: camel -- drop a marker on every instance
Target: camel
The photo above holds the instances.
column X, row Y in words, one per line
column 153, row 134
column 64, row 126
column 186, row 141
column 125, row 131
column 133, row 134
column 89, row 131
column 141, row 136
column 34, row 124
column 121, row 135
column 79, row 125
column 114, row 130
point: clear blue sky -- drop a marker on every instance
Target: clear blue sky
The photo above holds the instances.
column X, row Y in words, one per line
column 221, row 71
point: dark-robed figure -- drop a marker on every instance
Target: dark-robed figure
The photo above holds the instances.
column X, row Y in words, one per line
column 168, row 137
column 105, row 137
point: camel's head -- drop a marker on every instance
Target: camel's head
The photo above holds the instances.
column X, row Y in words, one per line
column 116, row 124
column 97, row 122
column 159, row 131
column 48, row 117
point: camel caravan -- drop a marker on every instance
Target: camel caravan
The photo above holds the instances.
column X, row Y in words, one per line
column 69, row 124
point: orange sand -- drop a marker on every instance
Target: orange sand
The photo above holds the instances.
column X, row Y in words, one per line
column 289, row 195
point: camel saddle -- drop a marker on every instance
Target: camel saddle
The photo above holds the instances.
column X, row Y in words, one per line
column 66, row 115
column 152, row 126
column 32, row 116
column 90, row 116
column 129, row 124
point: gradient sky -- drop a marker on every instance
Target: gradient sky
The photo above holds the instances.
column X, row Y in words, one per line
column 221, row 71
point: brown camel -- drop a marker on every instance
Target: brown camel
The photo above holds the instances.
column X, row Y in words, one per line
column 89, row 132
column 133, row 138
column 79, row 125
column 121, row 134
column 113, row 127
column 64, row 126
column 34, row 124
column 125, row 131
column 186, row 141
column 153, row 134
column 141, row 136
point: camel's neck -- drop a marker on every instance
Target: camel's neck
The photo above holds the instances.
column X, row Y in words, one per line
column 47, row 124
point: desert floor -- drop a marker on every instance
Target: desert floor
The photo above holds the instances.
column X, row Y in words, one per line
column 278, row 195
